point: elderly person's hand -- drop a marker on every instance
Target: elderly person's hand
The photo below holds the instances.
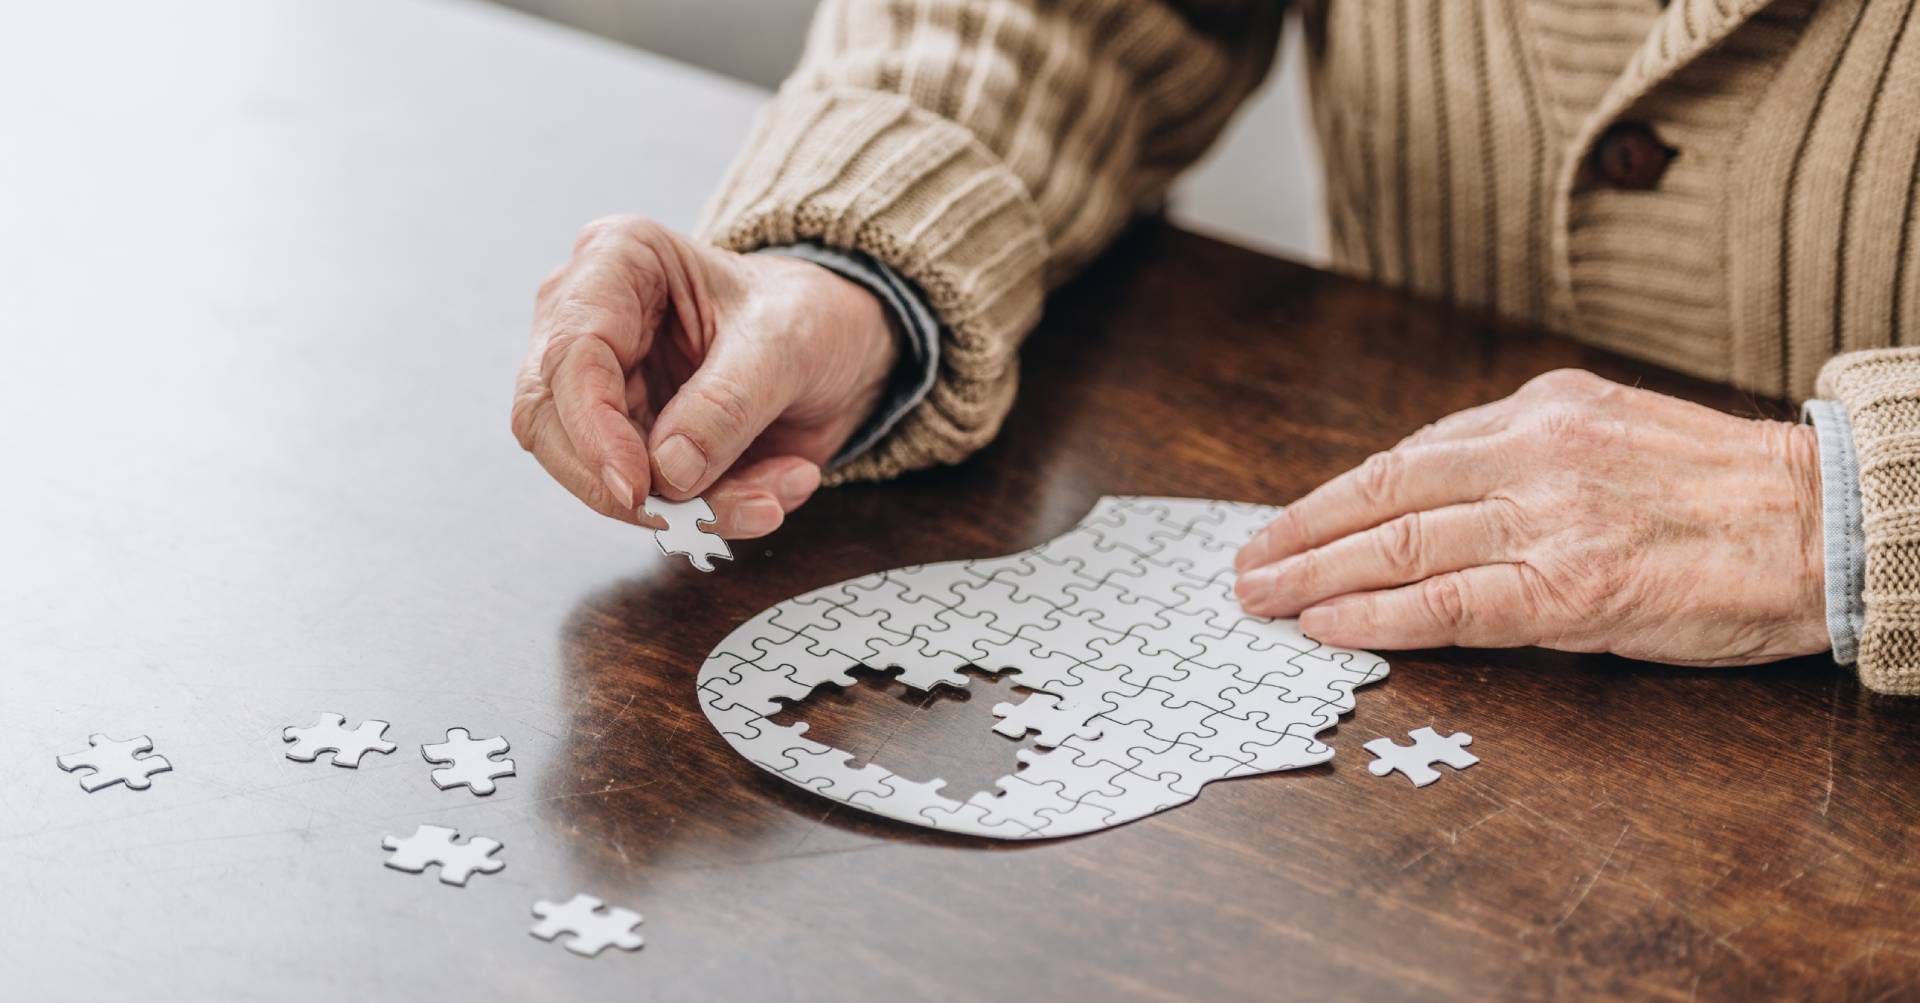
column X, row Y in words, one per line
column 1577, row 514
column 662, row 365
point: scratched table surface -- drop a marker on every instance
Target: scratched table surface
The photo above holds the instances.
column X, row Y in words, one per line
column 267, row 273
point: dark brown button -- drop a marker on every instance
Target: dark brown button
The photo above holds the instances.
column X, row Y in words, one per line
column 1629, row 155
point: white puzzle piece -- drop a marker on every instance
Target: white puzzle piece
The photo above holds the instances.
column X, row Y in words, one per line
column 1416, row 760
column 107, row 762
column 594, row 925
column 467, row 761
column 1149, row 681
column 684, row 533
column 437, row 844
column 348, row 745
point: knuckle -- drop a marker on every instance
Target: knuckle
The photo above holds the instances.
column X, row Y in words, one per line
column 1562, row 383
column 1378, row 477
column 1400, row 543
column 1445, row 600
column 726, row 400
column 1305, row 570
column 1506, row 521
column 1419, row 435
column 1284, row 533
column 1568, row 430
column 526, row 421
column 555, row 353
column 607, row 228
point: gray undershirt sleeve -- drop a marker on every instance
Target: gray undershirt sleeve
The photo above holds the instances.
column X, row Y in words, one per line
column 919, row 365
column 1846, row 537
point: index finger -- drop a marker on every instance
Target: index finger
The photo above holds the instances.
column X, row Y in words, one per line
column 589, row 392
column 1387, row 485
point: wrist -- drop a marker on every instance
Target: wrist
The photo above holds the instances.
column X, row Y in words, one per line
column 1797, row 449
column 873, row 329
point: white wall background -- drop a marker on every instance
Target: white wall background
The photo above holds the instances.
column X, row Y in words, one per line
column 1260, row 186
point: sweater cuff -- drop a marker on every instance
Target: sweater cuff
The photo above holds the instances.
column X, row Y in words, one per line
column 913, row 322
column 1879, row 391
column 871, row 172
column 1845, row 540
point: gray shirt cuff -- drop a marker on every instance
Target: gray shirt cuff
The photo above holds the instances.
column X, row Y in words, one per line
column 919, row 366
column 1846, row 538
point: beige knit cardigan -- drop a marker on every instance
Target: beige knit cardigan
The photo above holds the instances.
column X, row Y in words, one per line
column 987, row 149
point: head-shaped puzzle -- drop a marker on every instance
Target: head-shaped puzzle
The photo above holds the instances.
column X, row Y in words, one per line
column 1150, row 680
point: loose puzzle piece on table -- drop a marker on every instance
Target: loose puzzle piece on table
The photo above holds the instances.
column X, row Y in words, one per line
column 107, row 762
column 348, row 745
column 595, row 926
column 1416, row 760
column 684, row 533
column 1149, row 680
column 437, row 844
column 468, row 761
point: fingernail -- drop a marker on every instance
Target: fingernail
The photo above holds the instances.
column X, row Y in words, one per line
column 756, row 516
column 1320, row 619
column 1254, row 553
column 1256, row 584
column 622, row 491
column 681, row 463
column 798, row 483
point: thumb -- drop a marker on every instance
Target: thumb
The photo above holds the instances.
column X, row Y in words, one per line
column 715, row 415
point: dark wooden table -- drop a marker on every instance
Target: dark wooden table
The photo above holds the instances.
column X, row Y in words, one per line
column 261, row 320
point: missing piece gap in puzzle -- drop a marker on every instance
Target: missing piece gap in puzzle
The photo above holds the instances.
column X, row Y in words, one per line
column 945, row 735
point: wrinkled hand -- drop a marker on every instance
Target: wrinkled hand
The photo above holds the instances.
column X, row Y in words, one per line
column 666, row 366
column 1577, row 514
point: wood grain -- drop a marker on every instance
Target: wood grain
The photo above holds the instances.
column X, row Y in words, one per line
column 1633, row 831
column 262, row 307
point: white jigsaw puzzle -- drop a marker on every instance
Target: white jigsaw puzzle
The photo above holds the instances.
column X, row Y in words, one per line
column 684, row 534
column 108, row 761
column 1052, row 719
column 1129, row 618
column 437, row 844
column 1416, row 760
column 348, row 745
column 468, row 762
column 594, row 925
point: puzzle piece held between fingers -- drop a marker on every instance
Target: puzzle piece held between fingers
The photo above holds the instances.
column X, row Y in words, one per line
column 595, row 926
column 110, row 762
column 437, row 844
column 1416, row 760
column 684, row 533
column 467, row 761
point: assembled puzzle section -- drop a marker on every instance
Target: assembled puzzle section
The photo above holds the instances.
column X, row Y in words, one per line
column 1150, row 681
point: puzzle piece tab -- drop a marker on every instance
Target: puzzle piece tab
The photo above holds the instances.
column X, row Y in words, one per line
column 468, row 762
column 595, row 926
column 437, row 844
column 1416, row 760
column 1055, row 720
column 685, row 533
column 107, row 762
column 348, row 745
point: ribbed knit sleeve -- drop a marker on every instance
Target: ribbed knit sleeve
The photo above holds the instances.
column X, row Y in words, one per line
column 1880, row 390
column 984, row 150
